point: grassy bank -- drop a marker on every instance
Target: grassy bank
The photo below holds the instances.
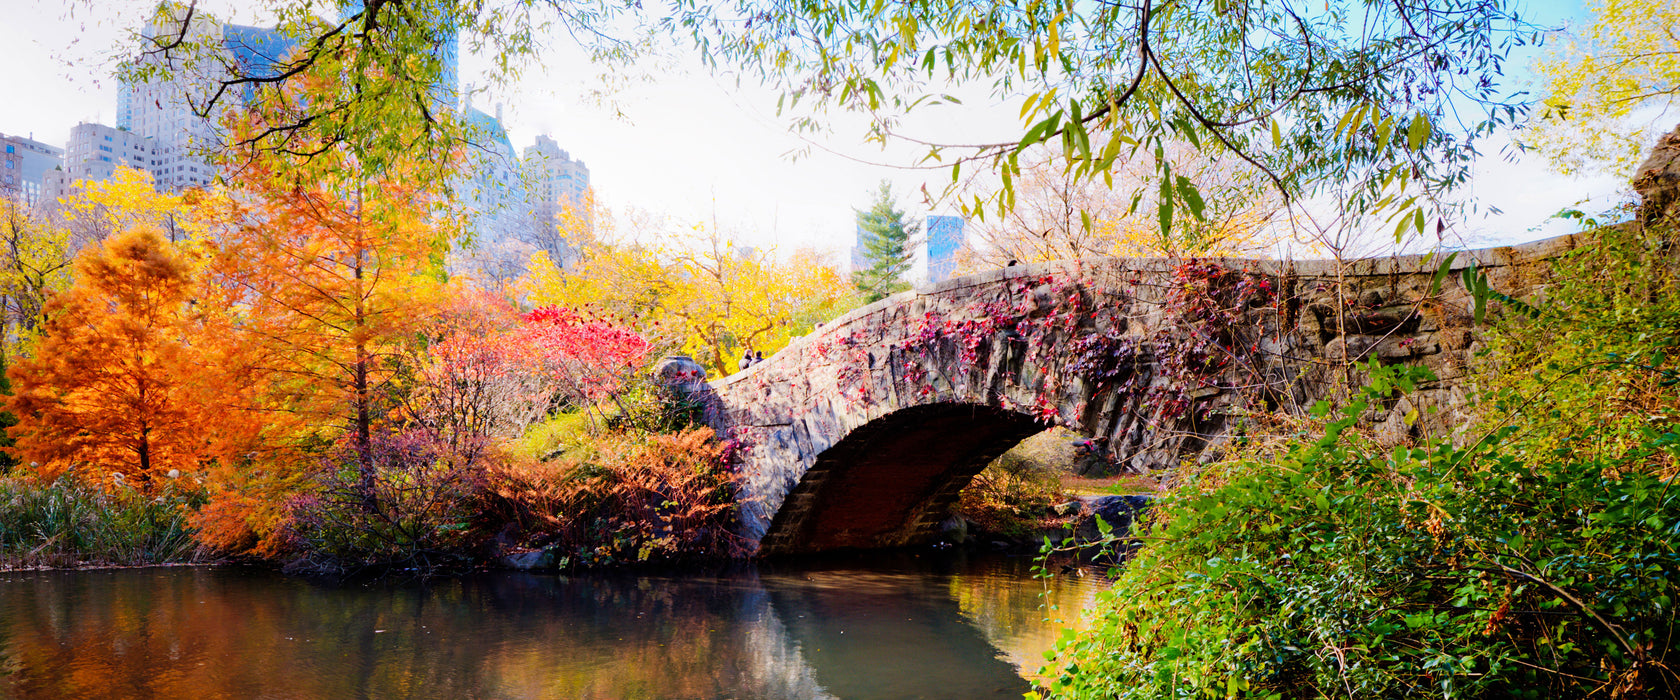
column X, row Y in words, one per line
column 67, row 524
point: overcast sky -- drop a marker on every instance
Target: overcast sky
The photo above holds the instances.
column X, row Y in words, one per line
column 687, row 144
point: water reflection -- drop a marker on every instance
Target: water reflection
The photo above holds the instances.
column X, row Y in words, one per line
column 905, row 627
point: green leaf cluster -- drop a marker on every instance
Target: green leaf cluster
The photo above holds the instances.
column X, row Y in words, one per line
column 1315, row 96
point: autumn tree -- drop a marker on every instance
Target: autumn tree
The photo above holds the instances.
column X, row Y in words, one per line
column 487, row 373
column 97, row 209
column 320, row 282
column 884, row 243
column 1607, row 87
column 35, row 263
column 107, row 391
column 696, row 292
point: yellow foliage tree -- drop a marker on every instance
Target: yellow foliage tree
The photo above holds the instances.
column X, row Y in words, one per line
column 695, row 292
column 99, row 209
column 35, row 259
column 1607, row 86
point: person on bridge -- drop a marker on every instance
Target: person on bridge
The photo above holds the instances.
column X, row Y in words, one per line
column 746, row 359
column 759, row 358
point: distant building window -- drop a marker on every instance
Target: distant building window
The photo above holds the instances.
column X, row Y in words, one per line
column 105, row 158
column 10, row 148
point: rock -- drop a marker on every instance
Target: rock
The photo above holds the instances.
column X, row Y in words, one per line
column 1068, row 508
column 1395, row 429
column 1117, row 511
column 954, row 529
column 1355, row 347
column 529, row 561
column 681, row 373
column 1392, row 350
column 1657, row 180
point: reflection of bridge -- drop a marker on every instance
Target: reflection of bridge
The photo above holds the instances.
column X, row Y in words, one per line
column 801, row 633
column 862, row 434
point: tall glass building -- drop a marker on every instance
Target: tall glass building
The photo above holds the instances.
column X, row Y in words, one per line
column 944, row 238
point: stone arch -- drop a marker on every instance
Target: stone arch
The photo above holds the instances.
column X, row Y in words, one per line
column 839, row 428
column 891, row 481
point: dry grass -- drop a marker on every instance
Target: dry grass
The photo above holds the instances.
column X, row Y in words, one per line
column 622, row 497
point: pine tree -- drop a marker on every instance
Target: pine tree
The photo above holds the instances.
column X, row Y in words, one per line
column 885, row 239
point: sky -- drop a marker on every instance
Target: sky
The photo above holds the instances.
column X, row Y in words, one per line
column 683, row 143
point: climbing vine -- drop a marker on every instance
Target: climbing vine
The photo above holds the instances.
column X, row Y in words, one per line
column 1065, row 336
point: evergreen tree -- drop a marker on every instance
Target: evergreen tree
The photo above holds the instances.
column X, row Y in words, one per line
column 885, row 239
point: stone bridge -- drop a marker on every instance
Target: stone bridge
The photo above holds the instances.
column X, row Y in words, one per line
column 861, row 434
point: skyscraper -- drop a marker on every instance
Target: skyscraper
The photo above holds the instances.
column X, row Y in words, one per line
column 944, row 238
column 26, row 164
column 556, row 181
column 164, row 110
column 513, row 205
column 168, row 110
column 491, row 188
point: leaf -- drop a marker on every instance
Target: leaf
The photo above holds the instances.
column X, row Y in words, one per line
column 1037, row 133
column 1441, row 273
column 1187, row 192
column 1418, row 133
column 1027, row 107
column 1164, row 208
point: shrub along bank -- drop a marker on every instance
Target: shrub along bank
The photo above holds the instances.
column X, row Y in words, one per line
column 639, row 486
column 1533, row 556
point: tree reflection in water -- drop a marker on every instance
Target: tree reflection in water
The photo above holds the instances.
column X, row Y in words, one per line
column 863, row 628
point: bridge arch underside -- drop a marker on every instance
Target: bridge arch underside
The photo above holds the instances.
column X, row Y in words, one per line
column 892, row 481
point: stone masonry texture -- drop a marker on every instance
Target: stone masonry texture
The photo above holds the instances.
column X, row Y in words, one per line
column 861, row 434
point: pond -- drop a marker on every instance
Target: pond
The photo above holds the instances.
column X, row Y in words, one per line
column 930, row 625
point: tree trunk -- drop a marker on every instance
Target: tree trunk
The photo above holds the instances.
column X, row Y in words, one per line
column 364, row 420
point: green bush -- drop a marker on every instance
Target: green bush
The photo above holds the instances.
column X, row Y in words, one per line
column 1345, row 570
column 66, row 523
column 1535, row 558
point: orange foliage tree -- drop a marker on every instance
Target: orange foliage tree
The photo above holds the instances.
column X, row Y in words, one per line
column 107, row 391
column 321, row 280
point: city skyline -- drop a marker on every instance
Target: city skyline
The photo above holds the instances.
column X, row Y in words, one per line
column 159, row 129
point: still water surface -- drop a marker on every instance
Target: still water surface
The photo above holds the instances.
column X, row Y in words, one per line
column 882, row 626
